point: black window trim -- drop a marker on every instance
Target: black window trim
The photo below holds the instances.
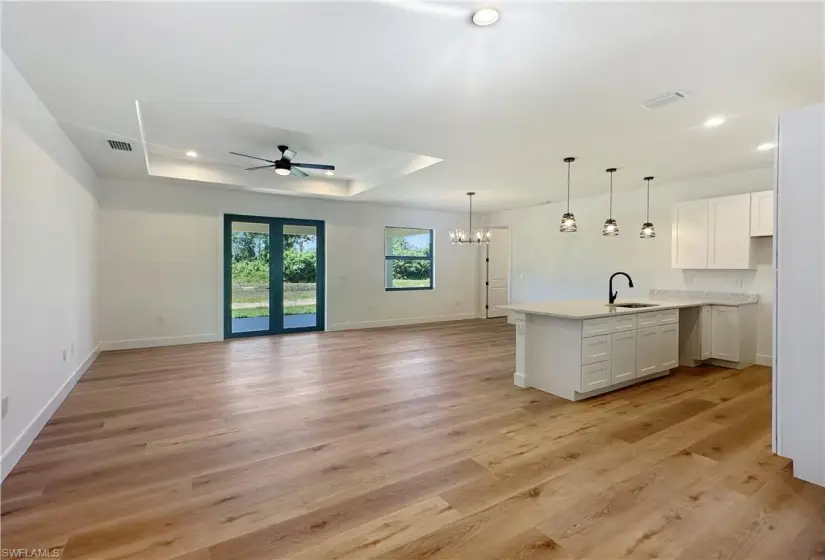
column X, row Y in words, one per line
column 429, row 258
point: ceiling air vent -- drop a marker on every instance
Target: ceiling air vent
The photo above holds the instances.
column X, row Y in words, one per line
column 122, row 146
column 664, row 99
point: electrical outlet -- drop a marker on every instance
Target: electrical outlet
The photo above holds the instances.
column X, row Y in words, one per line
column 5, row 407
column 64, row 354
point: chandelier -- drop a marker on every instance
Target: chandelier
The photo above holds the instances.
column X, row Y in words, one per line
column 470, row 236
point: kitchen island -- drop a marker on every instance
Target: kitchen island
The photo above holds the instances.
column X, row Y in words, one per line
column 580, row 349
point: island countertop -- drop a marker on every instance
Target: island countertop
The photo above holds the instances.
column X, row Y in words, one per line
column 591, row 309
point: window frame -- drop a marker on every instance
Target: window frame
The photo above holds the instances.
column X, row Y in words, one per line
column 429, row 258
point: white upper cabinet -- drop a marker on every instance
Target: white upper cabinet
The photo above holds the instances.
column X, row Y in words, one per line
column 729, row 232
column 712, row 233
column 762, row 214
column 690, row 235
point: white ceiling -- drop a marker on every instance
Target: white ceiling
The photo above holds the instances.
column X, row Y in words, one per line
column 500, row 105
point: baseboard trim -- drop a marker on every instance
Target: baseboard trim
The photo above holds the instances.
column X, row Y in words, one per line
column 764, row 360
column 400, row 322
column 519, row 381
column 133, row 343
column 16, row 450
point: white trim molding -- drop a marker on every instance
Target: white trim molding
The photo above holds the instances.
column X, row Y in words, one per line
column 160, row 341
column 764, row 360
column 398, row 322
column 16, row 450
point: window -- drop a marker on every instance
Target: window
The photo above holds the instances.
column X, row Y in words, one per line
column 408, row 258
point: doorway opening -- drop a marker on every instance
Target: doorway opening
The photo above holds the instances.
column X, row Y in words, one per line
column 273, row 275
column 498, row 272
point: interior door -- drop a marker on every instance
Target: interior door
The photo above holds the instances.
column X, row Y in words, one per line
column 273, row 275
column 498, row 272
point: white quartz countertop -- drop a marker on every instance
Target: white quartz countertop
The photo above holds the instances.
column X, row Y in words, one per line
column 591, row 309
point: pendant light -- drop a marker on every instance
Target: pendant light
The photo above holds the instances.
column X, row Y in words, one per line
column 610, row 226
column 478, row 236
column 568, row 220
column 648, row 230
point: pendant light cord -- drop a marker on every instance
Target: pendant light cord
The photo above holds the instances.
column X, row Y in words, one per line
column 568, row 187
column 610, row 207
column 648, row 179
column 470, row 233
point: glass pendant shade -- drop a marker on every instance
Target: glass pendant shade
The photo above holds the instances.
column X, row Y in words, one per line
column 648, row 231
column 610, row 227
column 568, row 223
column 568, row 220
column 477, row 236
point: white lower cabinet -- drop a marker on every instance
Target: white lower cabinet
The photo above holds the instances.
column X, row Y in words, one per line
column 647, row 350
column 706, row 329
column 595, row 376
column 725, row 339
column 668, row 347
column 624, row 355
column 595, row 349
column 623, row 363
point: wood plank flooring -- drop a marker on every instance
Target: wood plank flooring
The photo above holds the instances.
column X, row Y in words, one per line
column 402, row 443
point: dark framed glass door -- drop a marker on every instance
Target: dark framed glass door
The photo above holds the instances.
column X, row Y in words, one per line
column 273, row 275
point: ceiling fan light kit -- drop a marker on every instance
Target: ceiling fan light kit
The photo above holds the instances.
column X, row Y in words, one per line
column 285, row 166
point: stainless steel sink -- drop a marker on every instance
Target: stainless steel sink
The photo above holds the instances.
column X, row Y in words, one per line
column 633, row 305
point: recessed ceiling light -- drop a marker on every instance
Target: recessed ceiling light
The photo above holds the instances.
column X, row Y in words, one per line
column 766, row 146
column 713, row 122
column 485, row 16
column 330, row 173
column 192, row 153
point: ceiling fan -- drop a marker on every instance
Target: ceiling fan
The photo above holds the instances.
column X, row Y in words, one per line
column 285, row 165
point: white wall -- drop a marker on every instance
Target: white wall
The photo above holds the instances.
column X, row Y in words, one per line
column 547, row 264
column 799, row 380
column 49, row 240
column 161, row 259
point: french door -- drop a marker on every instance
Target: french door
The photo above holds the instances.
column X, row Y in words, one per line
column 273, row 275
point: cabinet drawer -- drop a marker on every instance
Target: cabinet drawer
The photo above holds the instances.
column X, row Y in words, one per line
column 668, row 317
column 597, row 327
column 647, row 320
column 595, row 376
column 596, row 349
column 623, row 323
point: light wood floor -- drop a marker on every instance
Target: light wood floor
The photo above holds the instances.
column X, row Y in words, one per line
column 402, row 443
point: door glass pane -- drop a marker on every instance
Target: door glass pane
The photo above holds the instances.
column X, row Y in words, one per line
column 250, row 277
column 300, row 290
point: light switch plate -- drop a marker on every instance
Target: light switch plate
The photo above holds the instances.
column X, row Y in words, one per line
column 5, row 407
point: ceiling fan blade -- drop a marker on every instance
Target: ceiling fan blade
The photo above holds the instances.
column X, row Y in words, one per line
column 315, row 166
column 259, row 167
column 289, row 154
column 253, row 157
column 298, row 173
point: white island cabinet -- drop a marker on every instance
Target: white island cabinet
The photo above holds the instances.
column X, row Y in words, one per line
column 579, row 349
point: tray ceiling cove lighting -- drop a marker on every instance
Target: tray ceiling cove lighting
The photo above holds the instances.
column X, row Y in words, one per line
column 648, row 231
column 478, row 236
column 485, row 16
column 568, row 220
column 192, row 153
column 610, row 226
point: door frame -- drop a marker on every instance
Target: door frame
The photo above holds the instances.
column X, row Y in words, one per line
column 486, row 271
column 276, row 274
